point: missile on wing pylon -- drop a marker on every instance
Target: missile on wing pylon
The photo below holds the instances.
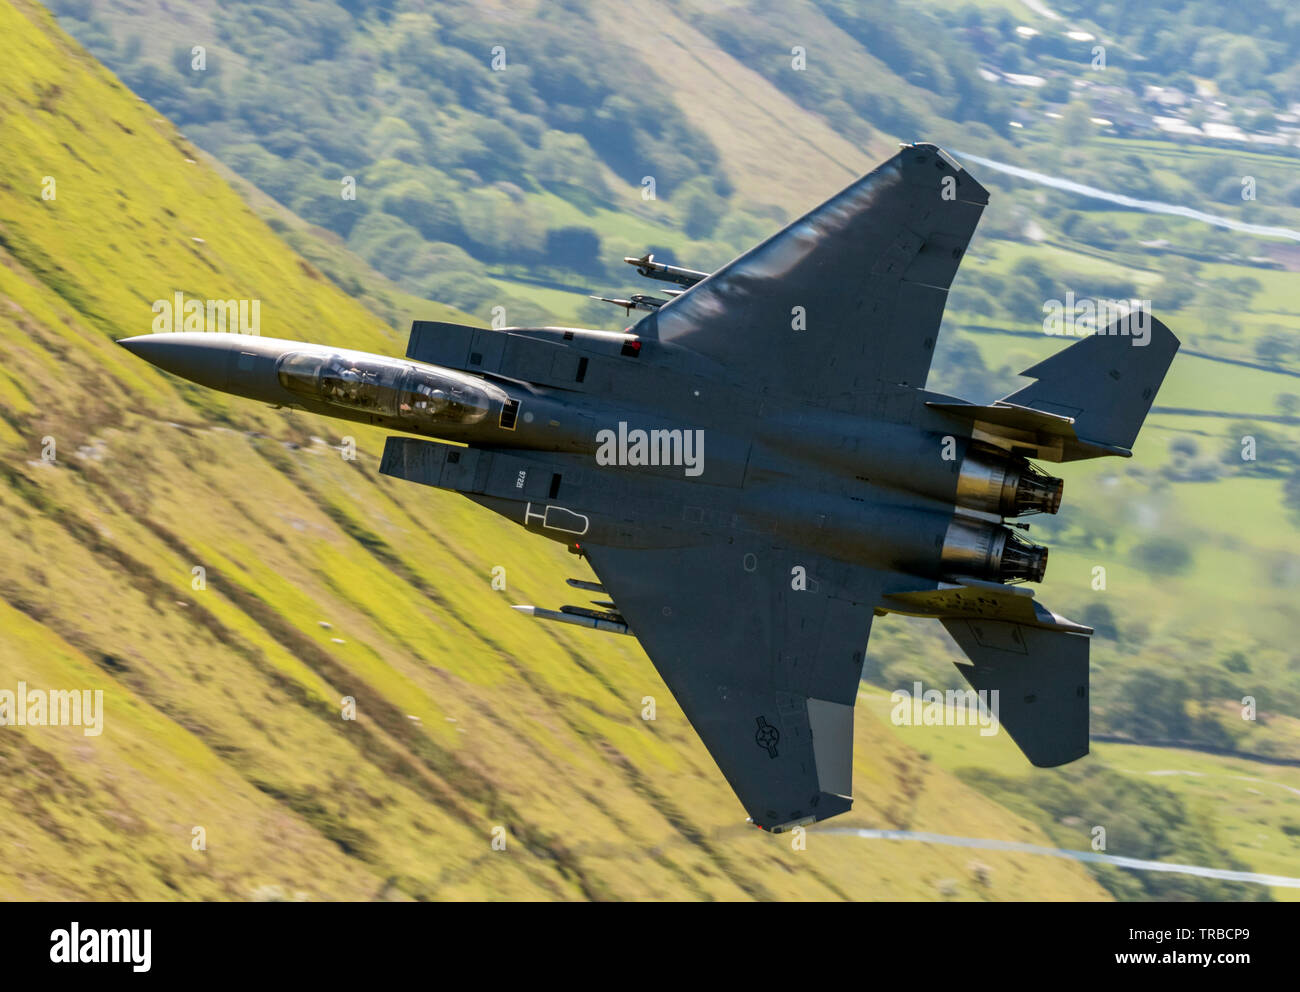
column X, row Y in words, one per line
column 637, row 301
column 648, row 267
column 584, row 618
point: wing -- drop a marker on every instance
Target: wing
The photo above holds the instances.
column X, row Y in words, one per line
column 870, row 269
column 762, row 647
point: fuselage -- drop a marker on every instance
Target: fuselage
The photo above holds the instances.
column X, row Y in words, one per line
column 654, row 456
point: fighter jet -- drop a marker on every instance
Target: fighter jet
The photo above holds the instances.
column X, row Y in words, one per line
column 755, row 470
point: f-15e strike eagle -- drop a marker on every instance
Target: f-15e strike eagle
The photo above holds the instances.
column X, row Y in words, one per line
column 755, row 470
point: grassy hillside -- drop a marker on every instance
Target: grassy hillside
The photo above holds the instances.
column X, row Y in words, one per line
column 323, row 581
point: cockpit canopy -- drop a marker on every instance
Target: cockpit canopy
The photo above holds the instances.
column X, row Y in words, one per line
column 386, row 388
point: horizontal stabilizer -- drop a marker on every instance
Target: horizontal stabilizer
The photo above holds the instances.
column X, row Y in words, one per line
column 1041, row 680
column 979, row 599
column 1032, row 433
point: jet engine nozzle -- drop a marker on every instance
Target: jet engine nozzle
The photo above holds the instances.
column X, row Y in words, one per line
column 1036, row 491
column 1008, row 486
column 1022, row 559
column 985, row 550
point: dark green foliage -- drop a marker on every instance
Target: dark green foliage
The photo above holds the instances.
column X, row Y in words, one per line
column 445, row 122
column 1163, row 556
column 1101, row 619
column 1246, row 46
column 576, row 248
column 1273, row 450
column 1152, row 704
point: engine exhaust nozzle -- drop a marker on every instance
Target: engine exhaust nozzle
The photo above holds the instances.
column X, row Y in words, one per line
column 1011, row 486
column 990, row 551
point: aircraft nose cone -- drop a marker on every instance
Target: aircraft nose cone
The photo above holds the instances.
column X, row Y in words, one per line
column 201, row 358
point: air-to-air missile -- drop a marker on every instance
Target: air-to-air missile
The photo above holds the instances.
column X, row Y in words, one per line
column 637, row 301
column 833, row 486
column 648, row 267
column 580, row 617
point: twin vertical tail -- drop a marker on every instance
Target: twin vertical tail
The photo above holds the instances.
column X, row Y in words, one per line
column 1106, row 382
column 1089, row 400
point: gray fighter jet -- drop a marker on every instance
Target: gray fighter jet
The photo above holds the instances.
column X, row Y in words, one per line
column 755, row 470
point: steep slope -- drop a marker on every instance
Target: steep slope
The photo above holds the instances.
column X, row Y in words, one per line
column 323, row 580
column 768, row 145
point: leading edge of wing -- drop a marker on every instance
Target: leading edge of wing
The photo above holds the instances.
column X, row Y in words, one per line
column 870, row 268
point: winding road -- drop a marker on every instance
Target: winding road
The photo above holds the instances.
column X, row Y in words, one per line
column 1134, row 864
column 1151, row 206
